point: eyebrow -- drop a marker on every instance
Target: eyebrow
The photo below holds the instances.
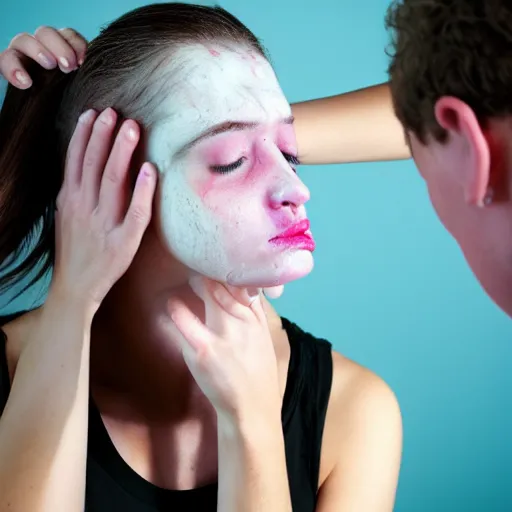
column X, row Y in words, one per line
column 226, row 126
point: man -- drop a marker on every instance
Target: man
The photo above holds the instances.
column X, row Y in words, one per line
column 449, row 93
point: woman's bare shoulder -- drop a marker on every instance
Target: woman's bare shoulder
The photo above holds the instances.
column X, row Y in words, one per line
column 362, row 408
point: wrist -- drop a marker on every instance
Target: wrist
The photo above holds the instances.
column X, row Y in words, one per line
column 252, row 464
column 251, row 427
column 66, row 314
column 60, row 304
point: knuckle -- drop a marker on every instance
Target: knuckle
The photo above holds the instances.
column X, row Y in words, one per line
column 140, row 214
column 43, row 30
column 111, row 249
column 76, row 40
column 113, row 176
column 59, row 203
column 89, row 162
column 18, row 39
column 5, row 55
column 70, row 33
column 72, row 204
column 68, row 54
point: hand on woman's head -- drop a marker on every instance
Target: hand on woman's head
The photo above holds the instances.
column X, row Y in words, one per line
column 97, row 235
column 50, row 48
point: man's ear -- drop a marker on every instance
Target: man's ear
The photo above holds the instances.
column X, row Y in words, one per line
column 466, row 151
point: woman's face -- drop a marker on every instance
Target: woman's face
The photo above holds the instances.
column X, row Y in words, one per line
column 230, row 204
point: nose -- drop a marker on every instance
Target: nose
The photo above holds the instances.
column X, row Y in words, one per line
column 288, row 192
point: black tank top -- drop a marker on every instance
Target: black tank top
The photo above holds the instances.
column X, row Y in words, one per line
column 112, row 486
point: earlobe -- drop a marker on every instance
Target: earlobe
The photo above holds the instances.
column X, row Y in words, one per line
column 468, row 148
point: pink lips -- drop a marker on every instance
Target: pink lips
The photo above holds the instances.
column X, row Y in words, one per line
column 297, row 236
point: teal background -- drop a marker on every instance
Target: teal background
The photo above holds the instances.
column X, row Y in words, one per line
column 390, row 288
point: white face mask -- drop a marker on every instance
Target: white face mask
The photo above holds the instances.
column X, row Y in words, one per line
column 224, row 199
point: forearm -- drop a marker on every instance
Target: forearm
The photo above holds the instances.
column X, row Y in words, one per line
column 43, row 430
column 358, row 126
column 252, row 467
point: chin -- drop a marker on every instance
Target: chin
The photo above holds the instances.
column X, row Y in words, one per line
column 297, row 264
column 288, row 267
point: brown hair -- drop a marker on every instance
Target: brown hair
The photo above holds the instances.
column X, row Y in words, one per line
column 120, row 71
column 459, row 48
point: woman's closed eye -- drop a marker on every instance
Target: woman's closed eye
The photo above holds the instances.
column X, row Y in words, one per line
column 291, row 159
column 224, row 169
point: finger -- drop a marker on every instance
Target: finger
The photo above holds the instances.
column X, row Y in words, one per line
column 76, row 150
column 58, row 46
column 193, row 331
column 197, row 283
column 114, row 180
column 245, row 296
column 28, row 45
column 274, row 292
column 216, row 313
column 139, row 212
column 250, row 298
column 233, row 301
column 76, row 41
column 96, row 156
column 12, row 69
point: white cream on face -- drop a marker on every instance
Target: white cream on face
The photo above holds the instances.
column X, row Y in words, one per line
column 219, row 225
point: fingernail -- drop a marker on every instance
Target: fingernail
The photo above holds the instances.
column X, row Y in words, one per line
column 253, row 294
column 45, row 61
column 144, row 173
column 22, row 77
column 64, row 62
column 86, row 116
column 106, row 117
column 274, row 292
column 132, row 134
column 80, row 61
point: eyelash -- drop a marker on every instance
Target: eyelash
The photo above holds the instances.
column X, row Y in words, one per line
column 225, row 169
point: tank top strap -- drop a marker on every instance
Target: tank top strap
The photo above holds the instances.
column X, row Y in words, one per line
column 307, row 394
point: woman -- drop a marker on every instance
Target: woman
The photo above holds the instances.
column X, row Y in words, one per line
column 201, row 397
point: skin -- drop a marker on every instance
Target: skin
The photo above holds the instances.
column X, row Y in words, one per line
column 468, row 176
column 219, row 223
column 468, row 179
column 362, row 438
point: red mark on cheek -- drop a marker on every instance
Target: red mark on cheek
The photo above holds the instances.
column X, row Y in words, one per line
column 213, row 52
column 204, row 186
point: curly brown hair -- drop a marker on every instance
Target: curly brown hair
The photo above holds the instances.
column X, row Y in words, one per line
column 460, row 48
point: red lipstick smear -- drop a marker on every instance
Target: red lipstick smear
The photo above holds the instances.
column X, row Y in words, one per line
column 297, row 236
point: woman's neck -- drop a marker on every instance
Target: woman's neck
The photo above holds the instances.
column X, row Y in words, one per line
column 136, row 350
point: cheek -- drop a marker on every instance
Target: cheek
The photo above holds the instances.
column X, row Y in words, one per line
column 240, row 189
column 444, row 199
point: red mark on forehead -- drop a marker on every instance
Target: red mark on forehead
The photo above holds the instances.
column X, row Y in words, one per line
column 213, row 52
